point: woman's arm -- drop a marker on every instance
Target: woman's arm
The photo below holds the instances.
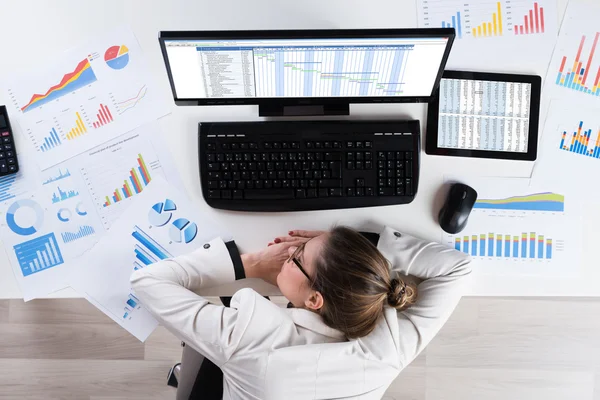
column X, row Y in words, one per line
column 444, row 273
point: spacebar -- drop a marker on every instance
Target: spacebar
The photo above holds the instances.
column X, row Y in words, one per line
column 269, row 194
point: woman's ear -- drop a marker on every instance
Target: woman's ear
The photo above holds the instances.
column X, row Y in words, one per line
column 314, row 301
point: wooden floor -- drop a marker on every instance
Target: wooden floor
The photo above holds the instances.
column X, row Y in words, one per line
column 490, row 349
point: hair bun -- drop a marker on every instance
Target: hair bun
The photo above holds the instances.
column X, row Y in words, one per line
column 400, row 295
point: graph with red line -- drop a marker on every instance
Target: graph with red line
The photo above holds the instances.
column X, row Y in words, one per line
column 580, row 76
column 103, row 117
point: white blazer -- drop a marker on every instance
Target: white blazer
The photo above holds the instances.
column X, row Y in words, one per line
column 269, row 352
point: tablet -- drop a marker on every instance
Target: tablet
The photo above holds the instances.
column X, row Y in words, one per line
column 485, row 115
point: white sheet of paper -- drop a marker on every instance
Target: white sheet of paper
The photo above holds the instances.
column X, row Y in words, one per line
column 159, row 223
column 89, row 96
column 520, row 229
column 567, row 154
column 71, row 198
column 574, row 72
column 489, row 33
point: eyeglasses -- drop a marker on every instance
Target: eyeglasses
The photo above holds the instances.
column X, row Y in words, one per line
column 294, row 258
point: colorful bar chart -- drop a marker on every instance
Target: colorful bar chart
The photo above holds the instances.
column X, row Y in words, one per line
column 83, row 231
column 579, row 142
column 534, row 202
column 79, row 128
column 83, row 75
column 456, row 24
column 63, row 195
column 576, row 78
column 51, row 141
column 139, row 177
column 492, row 28
column 533, row 22
column 103, row 117
column 38, row 254
column 531, row 245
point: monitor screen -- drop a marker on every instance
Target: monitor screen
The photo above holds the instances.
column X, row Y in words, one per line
column 376, row 67
column 484, row 115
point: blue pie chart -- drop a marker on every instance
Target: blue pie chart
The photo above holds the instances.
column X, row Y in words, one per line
column 25, row 230
column 182, row 230
column 160, row 213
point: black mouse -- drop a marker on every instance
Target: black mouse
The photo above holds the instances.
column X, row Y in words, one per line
column 455, row 212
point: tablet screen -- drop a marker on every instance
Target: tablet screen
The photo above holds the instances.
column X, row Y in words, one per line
column 484, row 115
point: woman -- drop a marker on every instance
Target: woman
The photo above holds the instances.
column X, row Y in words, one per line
column 350, row 331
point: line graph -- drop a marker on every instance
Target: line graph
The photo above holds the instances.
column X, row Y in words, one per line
column 126, row 105
column 81, row 76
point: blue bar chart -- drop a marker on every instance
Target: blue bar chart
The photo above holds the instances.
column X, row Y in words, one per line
column 63, row 195
column 578, row 141
column 83, row 231
column 50, row 141
column 38, row 254
column 6, row 184
column 456, row 24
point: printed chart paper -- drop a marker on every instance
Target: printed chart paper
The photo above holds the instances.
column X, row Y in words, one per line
column 63, row 211
column 517, row 230
column 574, row 72
column 89, row 96
column 492, row 31
column 160, row 223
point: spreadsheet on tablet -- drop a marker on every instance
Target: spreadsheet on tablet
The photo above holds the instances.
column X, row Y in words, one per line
column 484, row 115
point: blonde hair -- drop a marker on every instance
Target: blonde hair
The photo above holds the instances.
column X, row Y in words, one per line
column 354, row 279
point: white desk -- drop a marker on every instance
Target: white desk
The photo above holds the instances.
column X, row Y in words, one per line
column 33, row 31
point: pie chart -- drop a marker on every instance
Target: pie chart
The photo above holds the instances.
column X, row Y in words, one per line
column 32, row 224
column 182, row 230
column 117, row 57
column 160, row 213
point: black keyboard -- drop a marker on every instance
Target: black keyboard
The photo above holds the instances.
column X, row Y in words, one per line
column 293, row 166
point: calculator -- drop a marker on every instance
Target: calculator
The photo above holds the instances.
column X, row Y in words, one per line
column 8, row 152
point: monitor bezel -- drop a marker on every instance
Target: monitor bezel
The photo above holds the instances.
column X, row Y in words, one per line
column 450, row 33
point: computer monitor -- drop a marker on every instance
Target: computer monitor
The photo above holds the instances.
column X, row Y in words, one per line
column 305, row 71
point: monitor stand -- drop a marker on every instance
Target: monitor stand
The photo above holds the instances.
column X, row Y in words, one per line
column 279, row 110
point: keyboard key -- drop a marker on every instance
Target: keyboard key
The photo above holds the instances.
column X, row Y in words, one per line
column 267, row 145
column 235, row 146
column 350, row 192
column 408, row 185
column 408, row 155
column 360, row 182
column 309, row 145
column 311, row 193
column 225, row 146
column 225, row 194
column 409, row 168
column 213, row 166
column 381, row 155
column 241, row 185
column 360, row 191
column 400, row 191
column 2, row 155
column 369, row 191
column 273, row 194
column 327, row 145
column 285, row 145
column 336, row 169
column 337, row 145
column 390, row 155
column 327, row 175
column 323, row 192
column 386, row 191
column 211, row 146
column 214, row 194
column 350, row 165
column 359, row 156
column 368, row 155
column 244, row 146
column 349, row 145
column 12, row 168
column 318, row 145
column 213, row 184
column 238, row 194
column 231, row 185
column 277, row 184
column 359, row 145
column 211, row 158
column 359, row 165
column 337, row 192
column 300, row 193
column 368, row 145
column 368, row 165
column 399, row 155
column 250, row 184
column 253, row 146
column 330, row 183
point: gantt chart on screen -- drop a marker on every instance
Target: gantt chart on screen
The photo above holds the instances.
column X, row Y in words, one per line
column 305, row 68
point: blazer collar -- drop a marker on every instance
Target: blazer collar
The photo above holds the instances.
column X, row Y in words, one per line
column 312, row 321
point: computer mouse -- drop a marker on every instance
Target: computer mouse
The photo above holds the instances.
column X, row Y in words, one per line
column 455, row 212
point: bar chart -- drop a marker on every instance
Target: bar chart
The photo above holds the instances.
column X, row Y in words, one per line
column 103, row 117
column 57, row 177
column 50, row 141
column 489, row 18
column 527, row 245
column 494, row 27
column 533, row 22
column 577, row 77
column 547, row 201
column 139, row 177
column 517, row 229
column 578, row 142
column 79, row 128
column 82, row 232
column 38, row 254
column 63, row 195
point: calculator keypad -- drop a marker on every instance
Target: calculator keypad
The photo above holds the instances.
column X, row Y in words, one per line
column 8, row 156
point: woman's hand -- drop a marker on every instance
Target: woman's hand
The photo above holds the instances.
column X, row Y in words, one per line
column 266, row 264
